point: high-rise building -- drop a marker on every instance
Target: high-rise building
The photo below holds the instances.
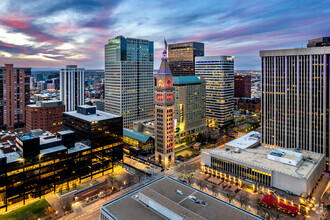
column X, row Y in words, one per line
column 242, row 86
column 181, row 57
column 218, row 71
column 45, row 115
column 189, row 111
column 164, row 115
column 72, row 80
column 295, row 98
column 14, row 95
column 129, row 78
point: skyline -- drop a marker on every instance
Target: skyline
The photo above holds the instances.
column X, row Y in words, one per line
column 57, row 33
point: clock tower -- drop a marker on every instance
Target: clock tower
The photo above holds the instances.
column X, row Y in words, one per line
column 164, row 115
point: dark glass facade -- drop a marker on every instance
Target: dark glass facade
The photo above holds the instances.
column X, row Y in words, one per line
column 181, row 57
column 104, row 136
column 54, row 166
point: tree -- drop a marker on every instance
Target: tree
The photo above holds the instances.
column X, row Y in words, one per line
column 209, row 140
column 50, row 211
column 186, row 156
column 230, row 196
column 214, row 189
column 223, row 186
column 189, row 178
column 258, row 204
column 276, row 212
column 243, row 199
column 66, row 203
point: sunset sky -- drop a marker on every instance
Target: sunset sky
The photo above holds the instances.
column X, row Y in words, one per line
column 51, row 34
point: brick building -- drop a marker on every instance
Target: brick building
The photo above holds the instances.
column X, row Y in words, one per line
column 14, row 96
column 46, row 115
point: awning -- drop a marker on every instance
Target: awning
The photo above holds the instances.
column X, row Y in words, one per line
column 290, row 208
column 269, row 200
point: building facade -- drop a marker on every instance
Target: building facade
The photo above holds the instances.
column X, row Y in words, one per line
column 248, row 104
column 164, row 115
column 190, row 118
column 129, row 78
column 181, row 57
column 72, row 87
column 266, row 167
column 218, row 71
column 14, row 96
column 41, row 163
column 295, row 98
column 242, row 86
column 45, row 115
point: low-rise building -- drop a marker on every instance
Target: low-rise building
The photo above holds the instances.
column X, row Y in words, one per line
column 286, row 169
column 41, row 163
column 137, row 141
column 168, row 198
column 248, row 104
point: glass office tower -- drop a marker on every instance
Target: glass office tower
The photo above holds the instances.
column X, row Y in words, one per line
column 181, row 57
column 129, row 78
column 218, row 71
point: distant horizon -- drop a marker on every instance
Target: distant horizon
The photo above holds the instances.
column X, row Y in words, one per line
column 58, row 69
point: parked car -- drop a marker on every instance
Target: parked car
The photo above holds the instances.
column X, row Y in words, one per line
column 179, row 192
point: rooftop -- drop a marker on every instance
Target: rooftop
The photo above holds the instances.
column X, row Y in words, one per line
column 184, row 80
column 26, row 136
column 258, row 157
column 53, row 149
column 248, row 140
column 163, row 192
column 297, row 51
column 46, row 103
column 12, row 157
column 65, row 132
column 78, row 147
column 135, row 135
column 99, row 116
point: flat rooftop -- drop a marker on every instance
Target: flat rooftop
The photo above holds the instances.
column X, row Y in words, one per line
column 78, row 147
column 99, row 116
column 245, row 141
column 257, row 157
column 163, row 191
column 297, row 51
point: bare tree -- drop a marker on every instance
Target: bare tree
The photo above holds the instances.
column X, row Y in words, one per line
column 66, row 203
column 201, row 184
column 243, row 199
column 214, row 189
column 258, row 204
column 276, row 212
column 230, row 196
column 189, row 178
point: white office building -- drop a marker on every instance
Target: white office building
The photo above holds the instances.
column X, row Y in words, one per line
column 129, row 78
column 218, row 71
column 295, row 97
column 72, row 89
